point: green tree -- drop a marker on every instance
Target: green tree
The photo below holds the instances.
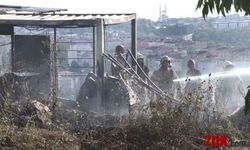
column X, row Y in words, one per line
column 223, row 6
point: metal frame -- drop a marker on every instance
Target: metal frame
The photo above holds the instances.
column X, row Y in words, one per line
column 55, row 71
column 97, row 21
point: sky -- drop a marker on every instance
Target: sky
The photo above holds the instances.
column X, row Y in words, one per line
column 148, row 9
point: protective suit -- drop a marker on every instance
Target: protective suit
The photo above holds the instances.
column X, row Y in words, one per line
column 140, row 60
column 192, row 87
column 140, row 90
column 229, row 94
column 119, row 53
column 164, row 76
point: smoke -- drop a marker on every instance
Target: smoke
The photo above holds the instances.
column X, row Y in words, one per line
column 226, row 88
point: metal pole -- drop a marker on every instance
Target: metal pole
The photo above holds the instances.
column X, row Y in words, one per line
column 13, row 52
column 113, row 60
column 99, row 58
column 151, row 82
column 51, row 72
column 100, row 48
column 55, row 73
column 56, row 60
column 139, row 78
column 134, row 41
column 94, row 50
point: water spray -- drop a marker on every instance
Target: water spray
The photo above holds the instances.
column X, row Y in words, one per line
column 225, row 74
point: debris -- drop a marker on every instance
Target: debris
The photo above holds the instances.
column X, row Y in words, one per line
column 87, row 96
column 116, row 97
column 43, row 113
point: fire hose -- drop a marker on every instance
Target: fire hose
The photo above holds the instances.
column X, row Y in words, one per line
column 138, row 78
column 150, row 81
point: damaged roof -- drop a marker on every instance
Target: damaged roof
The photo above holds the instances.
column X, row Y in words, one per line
column 38, row 10
column 64, row 19
column 53, row 17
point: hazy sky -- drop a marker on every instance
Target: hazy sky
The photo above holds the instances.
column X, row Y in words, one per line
column 144, row 8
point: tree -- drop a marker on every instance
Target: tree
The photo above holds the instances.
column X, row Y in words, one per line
column 223, row 6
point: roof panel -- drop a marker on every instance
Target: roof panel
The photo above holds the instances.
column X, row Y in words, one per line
column 63, row 19
column 37, row 10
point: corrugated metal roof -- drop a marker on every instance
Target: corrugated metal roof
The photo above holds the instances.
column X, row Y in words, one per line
column 63, row 19
column 37, row 10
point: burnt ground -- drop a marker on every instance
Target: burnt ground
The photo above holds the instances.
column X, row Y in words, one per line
column 165, row 127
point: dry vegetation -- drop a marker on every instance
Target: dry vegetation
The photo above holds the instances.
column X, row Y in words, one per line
column 159, row 126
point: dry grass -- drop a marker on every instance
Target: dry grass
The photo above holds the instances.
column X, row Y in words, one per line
column 161, row 126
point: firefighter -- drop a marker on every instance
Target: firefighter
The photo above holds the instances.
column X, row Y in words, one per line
column 192, row 86
column 192, row 71
column 140, row 60
column 229, row 91
column 164, row 76
column 193, row 91
column 140, row 90
column 119, row 53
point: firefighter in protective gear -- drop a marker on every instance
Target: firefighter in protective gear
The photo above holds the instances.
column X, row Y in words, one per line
column 140, row 90
column 140, row 60
column 164, row 76
column 119, row 52
column 192, row 87
column 140, row 56
column 229, row 91
column 192, row 71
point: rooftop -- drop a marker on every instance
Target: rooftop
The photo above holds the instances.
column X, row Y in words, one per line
column 18, row 15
